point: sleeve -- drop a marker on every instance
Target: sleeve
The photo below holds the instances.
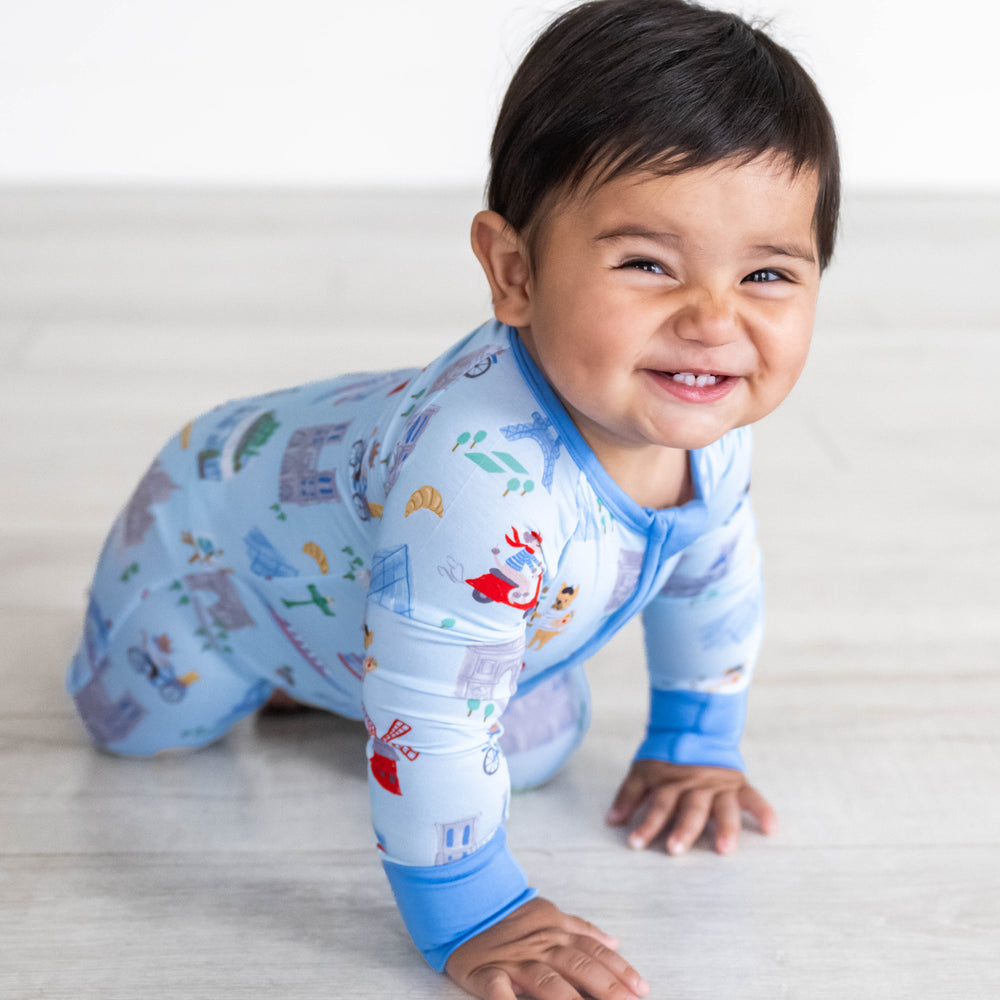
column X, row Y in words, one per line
column 703, row 632
column 445, row 625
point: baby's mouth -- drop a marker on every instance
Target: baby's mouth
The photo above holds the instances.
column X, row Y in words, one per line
column 689, row 378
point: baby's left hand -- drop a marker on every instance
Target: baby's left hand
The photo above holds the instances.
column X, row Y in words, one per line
column 685, row 798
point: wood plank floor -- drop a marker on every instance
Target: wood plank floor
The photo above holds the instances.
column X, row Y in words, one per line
column 247, row 869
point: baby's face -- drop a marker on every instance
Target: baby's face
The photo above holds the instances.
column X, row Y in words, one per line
column 665, row 311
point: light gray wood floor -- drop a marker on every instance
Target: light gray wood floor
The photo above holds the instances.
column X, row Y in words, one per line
column 247, row 869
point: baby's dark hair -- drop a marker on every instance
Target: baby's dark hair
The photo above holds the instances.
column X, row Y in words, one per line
column 619, row 86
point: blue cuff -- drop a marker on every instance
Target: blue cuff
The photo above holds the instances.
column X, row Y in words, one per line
column 691, row 727
column 446, row 905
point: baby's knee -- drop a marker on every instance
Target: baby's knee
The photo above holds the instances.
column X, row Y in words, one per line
column 140, row 692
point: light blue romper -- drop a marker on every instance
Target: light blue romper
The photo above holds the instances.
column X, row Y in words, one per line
column 435, row 552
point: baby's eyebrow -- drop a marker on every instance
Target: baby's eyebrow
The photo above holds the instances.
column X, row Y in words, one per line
column 786, row 250
column 626, row 231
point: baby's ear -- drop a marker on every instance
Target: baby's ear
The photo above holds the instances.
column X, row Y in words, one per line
column 504, row 258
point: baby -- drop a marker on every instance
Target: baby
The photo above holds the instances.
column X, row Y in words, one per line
column 436, row 552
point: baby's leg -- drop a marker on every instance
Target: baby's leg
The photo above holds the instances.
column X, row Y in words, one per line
column 543, row 727
column 153, row 680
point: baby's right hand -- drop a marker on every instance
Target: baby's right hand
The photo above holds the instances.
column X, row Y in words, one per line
column 539, row 951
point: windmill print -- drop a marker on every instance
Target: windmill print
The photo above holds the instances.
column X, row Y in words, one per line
column 385, row 755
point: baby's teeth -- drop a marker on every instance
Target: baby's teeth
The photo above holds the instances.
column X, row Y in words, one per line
column 699, row 380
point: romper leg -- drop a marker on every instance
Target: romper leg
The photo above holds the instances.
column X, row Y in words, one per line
column 148, row 682
column 543, row 727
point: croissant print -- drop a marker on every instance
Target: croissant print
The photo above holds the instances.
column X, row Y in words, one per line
column 426, row 498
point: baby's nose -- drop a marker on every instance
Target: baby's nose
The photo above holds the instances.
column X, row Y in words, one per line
column 708, row 319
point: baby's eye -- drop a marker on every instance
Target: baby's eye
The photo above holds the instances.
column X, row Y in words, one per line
column 643, row 264
column 765, row 276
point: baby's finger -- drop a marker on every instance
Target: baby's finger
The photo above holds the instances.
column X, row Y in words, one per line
column 609, row 962
column 569, row 969
column 630, row 794
column 692, row 814
column 541, row 981
column 491, row 984
column 754, row 803
column 661, row 805
column 728, row 821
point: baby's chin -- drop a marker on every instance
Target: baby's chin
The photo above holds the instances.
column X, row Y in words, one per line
column 693, row 440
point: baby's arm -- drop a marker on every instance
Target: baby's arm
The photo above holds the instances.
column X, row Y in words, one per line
column 439, row 792
column 439, row 785
column 703, row 633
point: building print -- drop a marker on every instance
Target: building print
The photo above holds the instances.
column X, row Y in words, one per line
column 390, row 580
column 301, row 480
column 234, row 440
column 488, row 666
column 96, row 642
column 106, row 719
column 415, row 427
column 541, row 431
column 227, row 610
column 629, row 567
column 265, row 559
column 209, row 458
column 154, row 487
column 540, row 715
column 456, row 839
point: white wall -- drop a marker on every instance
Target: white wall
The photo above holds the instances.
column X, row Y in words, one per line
column 396, row 92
